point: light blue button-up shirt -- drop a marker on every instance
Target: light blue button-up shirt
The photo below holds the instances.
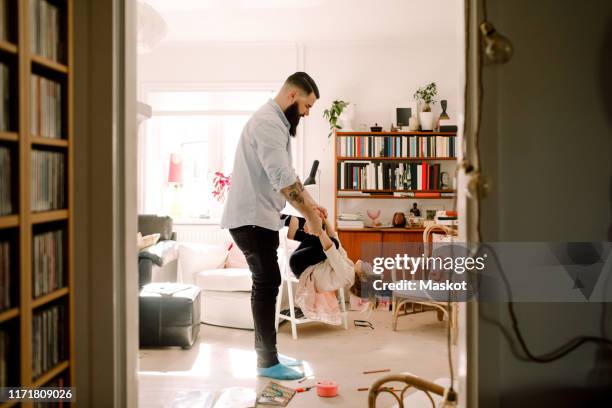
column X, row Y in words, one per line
column 262, row 167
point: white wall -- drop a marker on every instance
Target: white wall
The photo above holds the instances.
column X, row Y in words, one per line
column 377, row 77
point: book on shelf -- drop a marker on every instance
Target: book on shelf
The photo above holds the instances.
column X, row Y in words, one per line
column 423, row 194
column 350, row 216
column 350, row 223
column 45, row 107
column 47, row 180
column 398, row 146
column 5, row 100
column 48, row 339
column 6, row 199
column 373, row 176
column 45, row 34
column 47, row 262
column 354, row 193
column 5, row 275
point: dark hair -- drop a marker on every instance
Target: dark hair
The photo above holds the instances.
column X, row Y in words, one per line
column 304, row 82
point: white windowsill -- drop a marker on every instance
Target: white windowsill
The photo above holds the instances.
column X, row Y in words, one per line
column 196, row 221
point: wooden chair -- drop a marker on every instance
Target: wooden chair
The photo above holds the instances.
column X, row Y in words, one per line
column 412, row 382
column 404, row 303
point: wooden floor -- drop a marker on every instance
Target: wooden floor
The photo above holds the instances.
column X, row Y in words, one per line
column 225, row 358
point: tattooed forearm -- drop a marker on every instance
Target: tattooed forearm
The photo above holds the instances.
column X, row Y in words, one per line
column 294, row 192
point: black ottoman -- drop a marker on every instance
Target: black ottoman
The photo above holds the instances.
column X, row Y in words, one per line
column 169, row 314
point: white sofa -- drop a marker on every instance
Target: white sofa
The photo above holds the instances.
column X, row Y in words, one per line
column 222, row 273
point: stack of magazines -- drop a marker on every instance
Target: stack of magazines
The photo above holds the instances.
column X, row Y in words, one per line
column 350, row 220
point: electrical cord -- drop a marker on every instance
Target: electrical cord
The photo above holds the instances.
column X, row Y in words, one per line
column 550, row 356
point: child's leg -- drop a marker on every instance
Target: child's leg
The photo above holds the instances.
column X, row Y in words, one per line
column 295, row 224
column 305, row 256
column 310, row 252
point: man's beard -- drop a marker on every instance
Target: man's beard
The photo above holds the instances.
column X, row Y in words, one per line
column 292, row 113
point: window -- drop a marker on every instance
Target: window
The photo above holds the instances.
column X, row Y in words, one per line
column 203, row 129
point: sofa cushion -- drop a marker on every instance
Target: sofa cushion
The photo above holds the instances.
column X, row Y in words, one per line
column 195, row 257
column 151, row 224
column 225, row 280
column 228, row 309
column 235, row 258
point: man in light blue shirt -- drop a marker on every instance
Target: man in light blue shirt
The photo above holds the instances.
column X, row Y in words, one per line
column 263, row 180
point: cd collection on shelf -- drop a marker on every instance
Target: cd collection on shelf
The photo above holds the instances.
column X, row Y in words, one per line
column 47, row 262
column 48, row 180
column 48, row 339
column 6, row 198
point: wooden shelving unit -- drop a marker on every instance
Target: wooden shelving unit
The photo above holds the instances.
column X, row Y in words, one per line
column 9, row 221
column 8, row 47
column 49, row 216
column 9, row 136
column 45, row 141
column 21, row 227
column 353, row 239
column 9, row 314
column 49, row 64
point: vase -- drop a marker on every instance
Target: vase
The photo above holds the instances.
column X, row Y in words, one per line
column 346, row 118
column 427, row 120
column 444, row 105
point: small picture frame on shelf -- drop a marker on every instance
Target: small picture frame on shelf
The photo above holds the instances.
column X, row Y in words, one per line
column 430, row 212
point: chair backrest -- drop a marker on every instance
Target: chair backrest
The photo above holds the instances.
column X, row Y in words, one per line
column 436, row 233
column 285, row 249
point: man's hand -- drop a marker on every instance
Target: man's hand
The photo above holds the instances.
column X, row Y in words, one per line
column 322, row 212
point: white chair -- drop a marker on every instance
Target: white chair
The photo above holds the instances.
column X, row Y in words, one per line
column 287, row 281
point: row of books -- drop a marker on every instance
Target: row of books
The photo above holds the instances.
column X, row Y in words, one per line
column 48, row 180
column 425, row 194
column 362, row 175
column 413, row 194
column 5, row 275
column 5, row 95
column 412, row 146
column 4, row 357
column 45, row 107
column 6, row 202
column 48, row 339
column 47, row 262
column 46, row 39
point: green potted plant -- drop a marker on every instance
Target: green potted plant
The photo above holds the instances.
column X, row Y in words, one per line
column 426, row 95
column 332, row 115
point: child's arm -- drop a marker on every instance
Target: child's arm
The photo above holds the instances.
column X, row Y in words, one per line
column 325, row 241
column 330, row 229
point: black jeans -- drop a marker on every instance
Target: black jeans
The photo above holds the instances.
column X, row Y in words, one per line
column 259, row 246
column 309, row 252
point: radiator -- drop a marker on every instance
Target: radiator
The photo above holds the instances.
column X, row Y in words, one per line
column 205, row 234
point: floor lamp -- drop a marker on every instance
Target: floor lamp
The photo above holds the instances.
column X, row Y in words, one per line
column 311, row 180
